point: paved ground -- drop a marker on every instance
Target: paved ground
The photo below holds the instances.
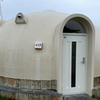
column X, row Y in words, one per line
column 31, row 91
column 78, row 97
column 27, row 94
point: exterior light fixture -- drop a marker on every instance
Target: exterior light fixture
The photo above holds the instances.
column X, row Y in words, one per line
column 19, row 16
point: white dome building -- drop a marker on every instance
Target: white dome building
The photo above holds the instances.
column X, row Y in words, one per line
column 50, row 50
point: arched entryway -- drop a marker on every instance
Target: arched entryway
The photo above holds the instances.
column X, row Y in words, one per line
column 88, row 31
column 74, row 58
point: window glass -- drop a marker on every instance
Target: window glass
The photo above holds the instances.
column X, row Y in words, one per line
column 74, row 27
column 73, row 65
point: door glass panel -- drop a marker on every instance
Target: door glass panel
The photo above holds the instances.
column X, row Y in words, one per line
column 74, row 27
column 73, row 65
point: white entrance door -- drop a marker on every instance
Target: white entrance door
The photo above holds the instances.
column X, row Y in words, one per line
column 74, row 64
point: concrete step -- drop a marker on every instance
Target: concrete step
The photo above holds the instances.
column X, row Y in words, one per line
column 78, row 97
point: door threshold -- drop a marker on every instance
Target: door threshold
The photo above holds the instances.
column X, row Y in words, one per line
column 76, row 94
column 79, row 93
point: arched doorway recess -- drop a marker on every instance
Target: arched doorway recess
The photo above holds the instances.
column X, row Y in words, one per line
column 90, row 31
column 74, row 58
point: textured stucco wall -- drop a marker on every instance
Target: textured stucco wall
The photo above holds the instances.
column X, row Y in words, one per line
column 97, row 53
column 18, row 57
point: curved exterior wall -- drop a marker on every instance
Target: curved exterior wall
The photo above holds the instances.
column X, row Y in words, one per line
column 18, row 57
column 97, row 53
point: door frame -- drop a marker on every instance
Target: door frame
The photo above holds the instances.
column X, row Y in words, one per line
column 79, row 34
column 90, row 53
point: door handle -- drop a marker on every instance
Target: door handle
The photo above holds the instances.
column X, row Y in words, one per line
column 83, row 60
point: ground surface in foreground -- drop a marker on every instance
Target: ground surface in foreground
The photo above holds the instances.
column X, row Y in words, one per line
column 78, row 97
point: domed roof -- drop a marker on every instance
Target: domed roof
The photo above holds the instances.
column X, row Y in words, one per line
column 18, row 57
